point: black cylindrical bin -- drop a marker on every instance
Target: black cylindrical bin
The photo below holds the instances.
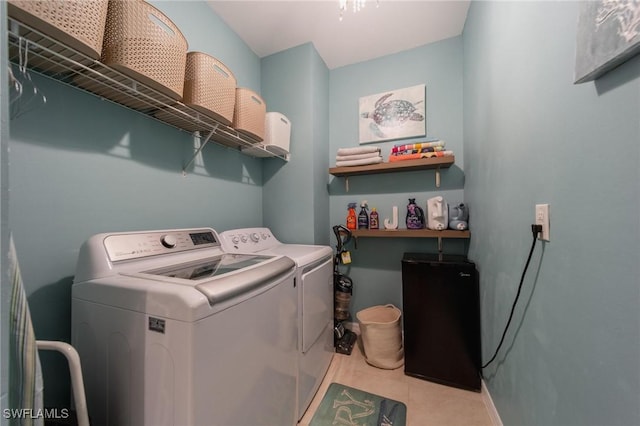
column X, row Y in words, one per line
column 440, row 298
column 343, row 287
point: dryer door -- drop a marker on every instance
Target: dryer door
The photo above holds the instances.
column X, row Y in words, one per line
column 317, row 302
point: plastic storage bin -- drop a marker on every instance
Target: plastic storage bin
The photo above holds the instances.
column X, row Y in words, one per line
column 249, row 114
column 78, row 24
column 381, row 334
column 141, row 42
column 209, row 87
column 277, row 135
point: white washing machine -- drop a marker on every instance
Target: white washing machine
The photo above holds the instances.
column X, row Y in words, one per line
column 314, row 281
column 173, row 331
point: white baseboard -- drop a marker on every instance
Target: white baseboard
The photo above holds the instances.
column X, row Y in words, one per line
column 491, row 408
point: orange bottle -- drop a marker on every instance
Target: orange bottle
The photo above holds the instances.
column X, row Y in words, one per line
column 352, row 219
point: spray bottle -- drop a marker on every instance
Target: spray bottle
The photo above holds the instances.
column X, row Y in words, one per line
column 351, row 217
column 363, row 217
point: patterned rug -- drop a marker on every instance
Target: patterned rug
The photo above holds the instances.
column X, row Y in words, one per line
column 342, row 405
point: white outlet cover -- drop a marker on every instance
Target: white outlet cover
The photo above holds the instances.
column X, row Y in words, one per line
column 542, row 218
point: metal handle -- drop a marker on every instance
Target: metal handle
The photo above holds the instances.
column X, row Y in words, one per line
column 75, row 371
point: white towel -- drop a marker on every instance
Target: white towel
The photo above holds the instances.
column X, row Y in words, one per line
column 358, row 150
column 357, row 156
column 25, row 380
column 361, row 162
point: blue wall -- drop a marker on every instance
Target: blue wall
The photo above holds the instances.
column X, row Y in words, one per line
column 80, row 165
column 531, row 136
column 376, row 262
column 296, row 202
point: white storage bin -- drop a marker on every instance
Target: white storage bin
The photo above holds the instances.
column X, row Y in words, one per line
column 277, row 137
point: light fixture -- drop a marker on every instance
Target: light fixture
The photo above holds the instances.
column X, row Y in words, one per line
column 357, row 5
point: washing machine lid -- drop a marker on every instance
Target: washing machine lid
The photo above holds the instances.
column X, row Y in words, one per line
column 222, row 277
column 302, row 254
column 209, row 267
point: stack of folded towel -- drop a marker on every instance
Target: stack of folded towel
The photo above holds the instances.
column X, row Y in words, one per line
column 414, row 151
column 358, row 156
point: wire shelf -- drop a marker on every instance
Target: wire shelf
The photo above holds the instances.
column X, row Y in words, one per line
column 32, row 49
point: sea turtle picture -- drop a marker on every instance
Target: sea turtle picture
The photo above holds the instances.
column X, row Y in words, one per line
column 393, row 115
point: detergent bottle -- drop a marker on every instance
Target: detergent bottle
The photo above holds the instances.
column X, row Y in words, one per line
column 415, row 215
column 438, row 212
column 363, row 217
column 374, row 222
column 351, row 217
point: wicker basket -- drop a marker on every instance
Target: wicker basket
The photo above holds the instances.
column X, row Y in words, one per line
column 209, row 87
column 144, row 44
column 78, row 24
column 249, row 114
column 381, row 334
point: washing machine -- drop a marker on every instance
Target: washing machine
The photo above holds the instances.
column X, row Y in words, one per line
column 171, row 330
column 314, row 283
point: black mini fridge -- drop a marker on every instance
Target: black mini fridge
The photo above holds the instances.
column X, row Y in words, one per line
column 441, row 314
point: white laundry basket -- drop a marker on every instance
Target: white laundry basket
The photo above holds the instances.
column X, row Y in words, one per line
column 381, row 335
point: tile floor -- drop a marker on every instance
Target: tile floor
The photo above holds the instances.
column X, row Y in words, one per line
column 427, row 403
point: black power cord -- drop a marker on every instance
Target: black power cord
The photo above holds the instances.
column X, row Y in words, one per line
column 535, row 229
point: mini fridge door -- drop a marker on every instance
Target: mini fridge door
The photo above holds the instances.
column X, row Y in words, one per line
column 441, row 319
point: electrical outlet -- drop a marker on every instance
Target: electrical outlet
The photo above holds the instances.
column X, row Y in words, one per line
column 542, row 218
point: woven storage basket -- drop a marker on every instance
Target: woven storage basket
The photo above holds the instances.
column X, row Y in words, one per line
column 144, row 44
column 78, row 24
column 381, row 335
column 209, row 87
column 249, row 113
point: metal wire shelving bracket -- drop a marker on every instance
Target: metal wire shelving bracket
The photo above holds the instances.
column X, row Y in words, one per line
column 39, row 53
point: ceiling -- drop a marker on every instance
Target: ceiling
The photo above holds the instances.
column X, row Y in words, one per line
column 393, row 26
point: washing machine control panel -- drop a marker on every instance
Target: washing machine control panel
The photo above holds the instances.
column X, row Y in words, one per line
column 248, row 240
column 135, row 245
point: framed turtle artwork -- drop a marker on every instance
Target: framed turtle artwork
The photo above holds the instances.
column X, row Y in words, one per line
column 608, row 34
column 396, row 114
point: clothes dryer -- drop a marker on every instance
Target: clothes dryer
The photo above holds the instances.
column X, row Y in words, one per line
column 173, row 331
column 314, row 283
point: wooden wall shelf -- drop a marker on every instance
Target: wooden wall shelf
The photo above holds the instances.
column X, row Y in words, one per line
column 410, row 233
column 399, row 166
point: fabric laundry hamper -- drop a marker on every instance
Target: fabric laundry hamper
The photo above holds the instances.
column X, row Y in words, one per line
column 381, row 335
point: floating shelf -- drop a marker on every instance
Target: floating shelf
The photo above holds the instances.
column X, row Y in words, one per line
column 31, row 49
column 400, row 166
column 410, row 233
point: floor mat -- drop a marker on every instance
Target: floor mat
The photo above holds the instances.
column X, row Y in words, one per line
column 342, row 405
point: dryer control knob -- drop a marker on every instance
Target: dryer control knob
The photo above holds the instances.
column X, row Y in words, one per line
column 169, row 241
column 235, row 240
column 255, row 237
column 244, row 238
column 264, row 236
